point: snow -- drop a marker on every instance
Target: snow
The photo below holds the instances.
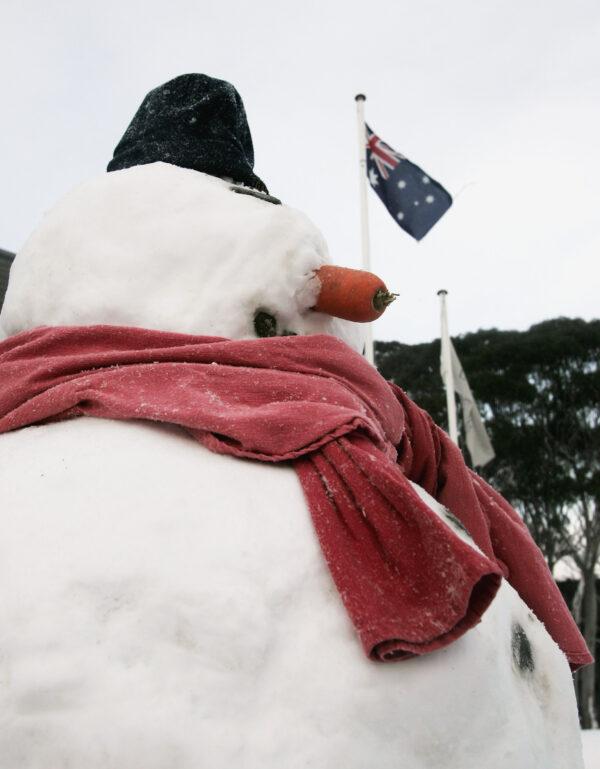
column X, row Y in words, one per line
column 591, row 748
column 166, row 607
column 171, row 607
column 164, row 247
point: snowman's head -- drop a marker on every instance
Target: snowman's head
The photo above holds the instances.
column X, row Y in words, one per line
column 164, row 247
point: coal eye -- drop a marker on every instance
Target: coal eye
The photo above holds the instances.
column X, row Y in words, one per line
column 265, row 324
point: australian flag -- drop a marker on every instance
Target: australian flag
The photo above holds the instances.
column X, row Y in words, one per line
column 413, row 198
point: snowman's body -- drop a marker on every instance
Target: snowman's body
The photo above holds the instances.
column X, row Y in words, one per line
column 165, row 607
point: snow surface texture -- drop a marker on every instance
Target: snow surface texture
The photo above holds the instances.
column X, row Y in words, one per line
column 169, row 248
column 168, row 608
column 591, row 748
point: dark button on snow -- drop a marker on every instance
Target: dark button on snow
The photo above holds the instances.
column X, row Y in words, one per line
column 521, row 650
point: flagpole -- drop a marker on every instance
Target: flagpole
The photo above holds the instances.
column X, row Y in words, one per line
column 364, row 211
column 446, row 356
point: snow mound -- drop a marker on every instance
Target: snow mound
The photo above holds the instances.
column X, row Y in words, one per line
column 170, row 607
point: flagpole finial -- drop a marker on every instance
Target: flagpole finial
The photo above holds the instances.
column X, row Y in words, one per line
column 360, row 97
column 442, row 292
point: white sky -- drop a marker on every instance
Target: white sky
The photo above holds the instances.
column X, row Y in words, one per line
column 498, row 100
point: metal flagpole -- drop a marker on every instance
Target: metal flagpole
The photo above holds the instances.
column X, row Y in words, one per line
column 364, row 211
column 447, row 370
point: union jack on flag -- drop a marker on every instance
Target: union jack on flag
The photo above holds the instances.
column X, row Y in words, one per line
column 413, row 198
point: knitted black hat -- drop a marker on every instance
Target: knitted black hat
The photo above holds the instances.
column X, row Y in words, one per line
column 193, row 121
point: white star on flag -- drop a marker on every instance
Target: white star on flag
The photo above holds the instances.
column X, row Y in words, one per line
column 373, row 178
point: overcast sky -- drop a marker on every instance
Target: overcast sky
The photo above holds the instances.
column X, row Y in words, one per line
column 498, row 100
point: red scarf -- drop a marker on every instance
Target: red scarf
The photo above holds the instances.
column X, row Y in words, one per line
column 409, row 583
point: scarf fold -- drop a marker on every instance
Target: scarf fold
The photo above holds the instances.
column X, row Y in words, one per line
column 409, row 582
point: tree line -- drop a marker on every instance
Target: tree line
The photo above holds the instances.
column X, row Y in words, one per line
column 538, row 393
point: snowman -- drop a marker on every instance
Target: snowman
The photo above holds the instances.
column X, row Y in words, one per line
column 172, row 598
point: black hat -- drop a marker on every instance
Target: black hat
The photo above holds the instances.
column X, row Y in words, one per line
column 194, row 121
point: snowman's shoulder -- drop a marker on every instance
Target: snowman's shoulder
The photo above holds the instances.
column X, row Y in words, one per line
column 98, row 462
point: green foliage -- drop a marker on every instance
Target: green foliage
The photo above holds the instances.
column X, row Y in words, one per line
column 539, row 394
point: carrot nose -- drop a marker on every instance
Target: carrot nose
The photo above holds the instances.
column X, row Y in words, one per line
column 355, row 295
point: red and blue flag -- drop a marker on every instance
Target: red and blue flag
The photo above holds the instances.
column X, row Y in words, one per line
column 413, row 198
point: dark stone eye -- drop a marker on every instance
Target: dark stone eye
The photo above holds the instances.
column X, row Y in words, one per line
column 521, row 650
column 265, row 324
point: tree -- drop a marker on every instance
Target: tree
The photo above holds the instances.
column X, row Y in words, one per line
column 539, row 394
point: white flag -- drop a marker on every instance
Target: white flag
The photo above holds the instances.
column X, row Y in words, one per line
column 478, row 441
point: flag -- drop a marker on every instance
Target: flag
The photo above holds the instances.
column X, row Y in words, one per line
column 413, row 198
column 477, row 439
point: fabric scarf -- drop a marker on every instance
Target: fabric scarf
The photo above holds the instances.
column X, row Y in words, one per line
column 409, row 582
